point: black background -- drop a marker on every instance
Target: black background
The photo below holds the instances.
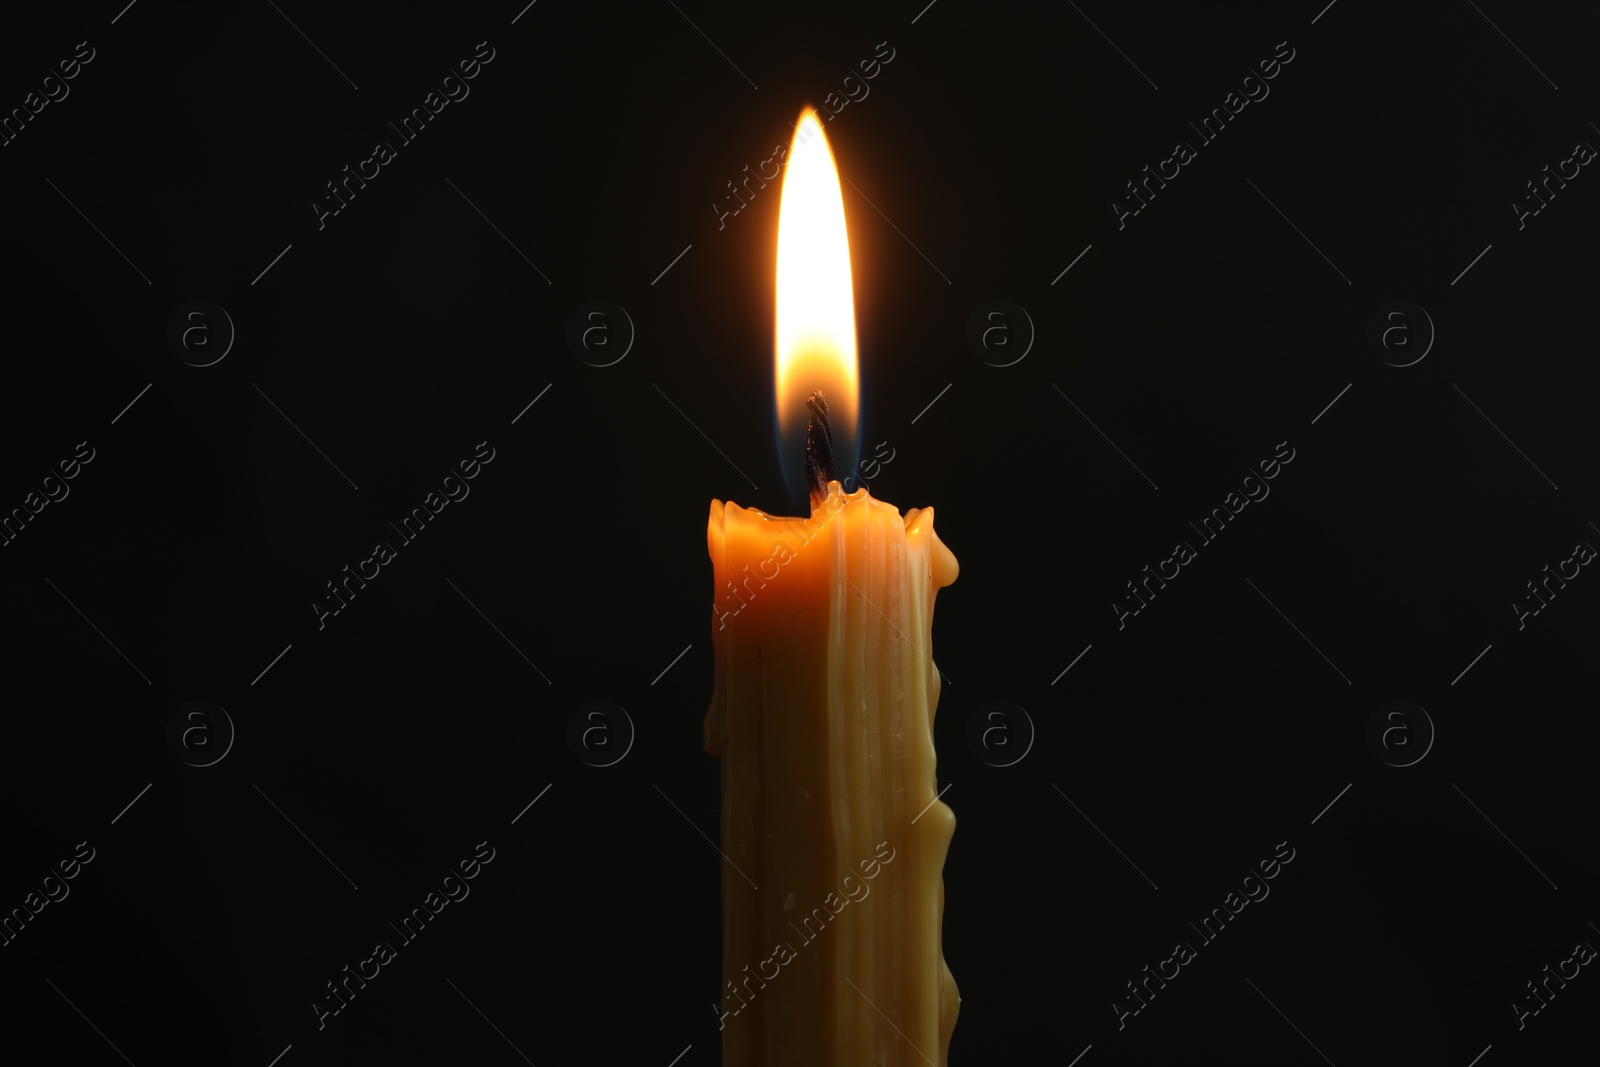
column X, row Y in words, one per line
column 414, row 725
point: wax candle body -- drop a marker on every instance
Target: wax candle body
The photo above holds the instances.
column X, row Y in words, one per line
column 822, row 717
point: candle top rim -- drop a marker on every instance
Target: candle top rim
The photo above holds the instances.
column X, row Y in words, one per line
column 837, row 500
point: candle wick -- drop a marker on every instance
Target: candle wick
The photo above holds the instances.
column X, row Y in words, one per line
column 819, row 449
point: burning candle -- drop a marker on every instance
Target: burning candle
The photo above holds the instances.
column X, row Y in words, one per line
column 822, row 713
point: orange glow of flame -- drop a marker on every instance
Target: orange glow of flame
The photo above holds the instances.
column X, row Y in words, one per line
column 815, row 340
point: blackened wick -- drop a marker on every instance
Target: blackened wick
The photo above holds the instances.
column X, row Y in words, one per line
column 819, row 449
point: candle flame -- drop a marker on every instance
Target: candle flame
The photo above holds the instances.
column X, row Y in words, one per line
column 815, row 337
